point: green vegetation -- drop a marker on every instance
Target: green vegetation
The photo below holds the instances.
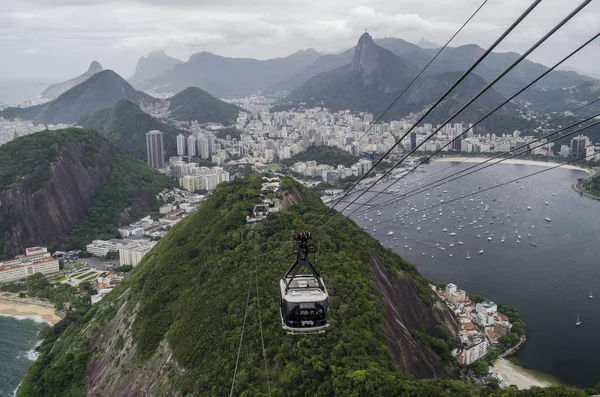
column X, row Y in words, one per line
column 191, row 291
column 37, row 286
column 28, row 158
column 124, row 269
column 126, row 126
column 196, row 104
column 128, row 176
column 329, row 155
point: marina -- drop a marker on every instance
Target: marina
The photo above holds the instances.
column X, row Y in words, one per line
column 537, row 240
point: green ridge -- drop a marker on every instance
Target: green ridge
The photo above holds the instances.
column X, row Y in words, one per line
column 191, row 291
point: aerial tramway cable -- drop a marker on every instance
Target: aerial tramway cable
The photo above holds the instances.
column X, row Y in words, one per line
column 262, row 338
column 497, row 186
column 420, row 73
column 428, row 186
column 567, row 113
column 439, row 100
column 489, row 114
column 455, row 177
column 504, row 103
column 487, row 87
column 237, row 361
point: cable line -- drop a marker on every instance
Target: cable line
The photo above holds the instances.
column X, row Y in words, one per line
column 421, row 72
column 262, row 339
column 487, row 87
column 439, row 100
column 489, row 114
column 496, row 186
column 241, row 339
column 454, row 177
column 507, row 101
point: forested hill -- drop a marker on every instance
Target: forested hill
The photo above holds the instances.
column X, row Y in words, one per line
column 173, row 328
column 126, row 125
column 70, row 185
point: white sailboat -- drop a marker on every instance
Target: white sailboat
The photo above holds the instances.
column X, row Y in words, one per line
column 590, row 296
column 578, row 322
column 468, row 255
column 480, row 252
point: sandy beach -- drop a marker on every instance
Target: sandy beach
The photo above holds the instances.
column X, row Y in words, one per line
column 37, row 312
column 514, row 375
column 509, row 161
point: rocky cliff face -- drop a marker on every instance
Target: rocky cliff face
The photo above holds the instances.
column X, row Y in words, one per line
column 51, row 212
column 365, row 55
column 405, row 311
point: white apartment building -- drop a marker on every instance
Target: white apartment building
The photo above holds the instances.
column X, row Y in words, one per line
column 486, row 307
column 102, row 247
column 181, row 145
column 129, row 231
column 475, row 351
column 132, row 253
column 27, row 268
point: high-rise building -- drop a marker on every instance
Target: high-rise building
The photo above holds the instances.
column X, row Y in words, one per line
column 181, row 145
column 203, row 151
column 211, row 142
column 368, row 117
column 155, row 149
column 191, row 146
column 578, row 145
column 413, row 140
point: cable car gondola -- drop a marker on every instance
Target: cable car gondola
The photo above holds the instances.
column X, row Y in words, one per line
column 304, row 298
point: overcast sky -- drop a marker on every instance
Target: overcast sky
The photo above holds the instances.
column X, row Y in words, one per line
column 52, row 40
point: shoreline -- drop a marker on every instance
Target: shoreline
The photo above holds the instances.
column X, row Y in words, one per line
column 31, row 311
column 509, row 161
column 512, row 374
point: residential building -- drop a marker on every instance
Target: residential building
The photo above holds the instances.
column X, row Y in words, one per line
column 102, row 247
column 475, row 349
column 578, row 146
column 191, row 147
column 131, row 231
column 23, row 267
column 132, row 253
column 486, row 307
column 181, row 145
column 155, row 149
column 203, row 148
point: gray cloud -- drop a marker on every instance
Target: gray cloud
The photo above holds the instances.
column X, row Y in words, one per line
column 56, row 39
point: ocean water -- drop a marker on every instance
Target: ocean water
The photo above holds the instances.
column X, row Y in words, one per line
column 18, row 338
column 549, row 283
column 15, row 92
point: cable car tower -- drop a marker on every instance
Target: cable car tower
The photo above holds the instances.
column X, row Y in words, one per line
column 304, row 298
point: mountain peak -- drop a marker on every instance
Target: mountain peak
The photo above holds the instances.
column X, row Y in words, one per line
column 427, row 45
column 95, row 67
column 363, row 54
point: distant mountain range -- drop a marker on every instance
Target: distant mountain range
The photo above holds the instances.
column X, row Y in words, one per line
column 56, row 89
column 428, row 45
column 376, row 76
column 154, row 65
column 105, row 89
column 231, row 77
